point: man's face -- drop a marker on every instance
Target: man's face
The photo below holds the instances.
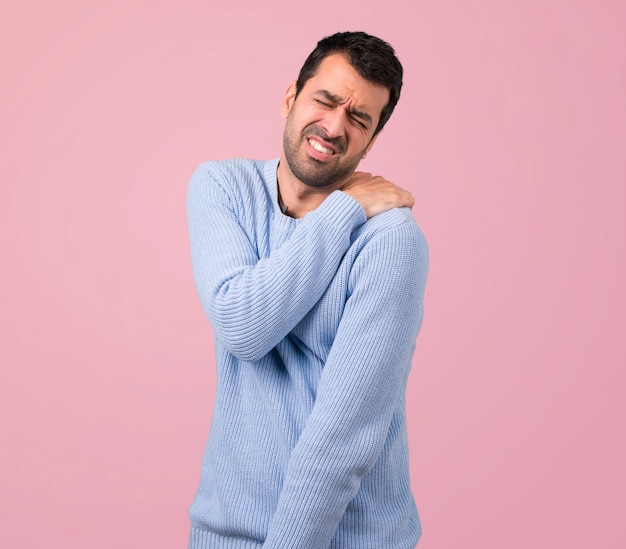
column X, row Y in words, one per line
column 330, row 125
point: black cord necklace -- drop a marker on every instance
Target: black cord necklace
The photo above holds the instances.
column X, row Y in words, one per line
column 281, row 204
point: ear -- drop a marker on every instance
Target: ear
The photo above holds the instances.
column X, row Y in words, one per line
column 370, row 145
column 288, row 99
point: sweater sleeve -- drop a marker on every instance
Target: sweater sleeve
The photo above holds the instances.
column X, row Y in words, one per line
column 251, row 302
column 359, row 391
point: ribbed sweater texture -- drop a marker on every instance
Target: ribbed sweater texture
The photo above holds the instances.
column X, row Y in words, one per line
column 315, row 321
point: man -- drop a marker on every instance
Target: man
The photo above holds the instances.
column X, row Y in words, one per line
column 312, row 276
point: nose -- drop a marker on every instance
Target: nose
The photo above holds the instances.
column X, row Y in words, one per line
column 334, row 123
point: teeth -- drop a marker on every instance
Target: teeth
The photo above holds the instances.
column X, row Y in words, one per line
column 319, row 148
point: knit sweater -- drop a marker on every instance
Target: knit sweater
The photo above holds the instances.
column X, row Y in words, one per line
column 315, row 321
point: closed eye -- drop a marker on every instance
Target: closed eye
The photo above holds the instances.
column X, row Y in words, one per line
column 358, row 122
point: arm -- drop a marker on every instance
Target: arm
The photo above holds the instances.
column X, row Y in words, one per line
column 358, row 393
column 253, row 303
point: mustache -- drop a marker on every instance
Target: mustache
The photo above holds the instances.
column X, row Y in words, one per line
column 338, row 142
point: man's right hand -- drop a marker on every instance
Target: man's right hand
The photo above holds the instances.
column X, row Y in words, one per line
column 375, row 194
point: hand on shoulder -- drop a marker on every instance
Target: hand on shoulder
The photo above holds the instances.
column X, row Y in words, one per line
column 376, row 194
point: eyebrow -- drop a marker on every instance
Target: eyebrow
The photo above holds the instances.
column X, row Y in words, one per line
column 336, row 99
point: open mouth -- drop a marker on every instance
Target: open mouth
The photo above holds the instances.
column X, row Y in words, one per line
column 320, row 148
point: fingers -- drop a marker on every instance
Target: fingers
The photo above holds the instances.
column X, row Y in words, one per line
column 376, row 194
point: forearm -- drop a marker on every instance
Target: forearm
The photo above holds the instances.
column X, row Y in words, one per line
column 340, row 444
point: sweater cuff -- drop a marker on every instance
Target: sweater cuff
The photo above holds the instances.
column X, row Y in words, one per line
column 342, row 211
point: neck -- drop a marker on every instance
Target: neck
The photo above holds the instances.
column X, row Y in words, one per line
column 296, row 198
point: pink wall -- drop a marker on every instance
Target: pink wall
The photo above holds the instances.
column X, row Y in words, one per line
column 511, row 132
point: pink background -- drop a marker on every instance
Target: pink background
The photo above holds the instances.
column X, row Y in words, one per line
column 511, row 132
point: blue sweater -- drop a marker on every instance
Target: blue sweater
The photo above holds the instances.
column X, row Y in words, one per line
column 315, row 321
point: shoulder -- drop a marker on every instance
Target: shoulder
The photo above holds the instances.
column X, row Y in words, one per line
column 229, row 172
column 395, row 227
column 390, row 246
column 231, row 179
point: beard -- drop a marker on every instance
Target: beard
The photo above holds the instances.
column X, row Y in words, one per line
column 311, row 171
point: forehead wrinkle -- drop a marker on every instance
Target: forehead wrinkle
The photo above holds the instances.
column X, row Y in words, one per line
column 336, row 99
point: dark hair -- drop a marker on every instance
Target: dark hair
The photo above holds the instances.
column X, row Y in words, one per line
column 373, row 58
